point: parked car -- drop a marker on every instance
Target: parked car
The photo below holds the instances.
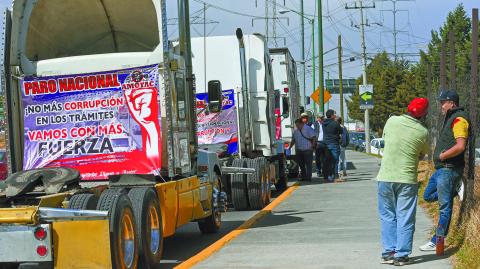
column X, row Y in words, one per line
column 357, row 141
column 376, row 146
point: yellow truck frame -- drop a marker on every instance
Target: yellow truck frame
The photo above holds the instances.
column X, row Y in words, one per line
column 120, row 223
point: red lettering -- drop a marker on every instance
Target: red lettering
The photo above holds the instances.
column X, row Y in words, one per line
column 71, row 84
column 101, row 81
column 27, row 86
column 92, row 82
column 62, row 83
column 79, row 83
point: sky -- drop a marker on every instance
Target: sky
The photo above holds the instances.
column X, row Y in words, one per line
column 415, row 21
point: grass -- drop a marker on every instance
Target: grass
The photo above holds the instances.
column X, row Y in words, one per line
column 464, row 234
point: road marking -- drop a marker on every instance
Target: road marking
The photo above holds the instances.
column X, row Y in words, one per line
column 210, row 250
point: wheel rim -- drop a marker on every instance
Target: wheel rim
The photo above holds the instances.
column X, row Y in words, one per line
column 154, row 228
column 127, row 240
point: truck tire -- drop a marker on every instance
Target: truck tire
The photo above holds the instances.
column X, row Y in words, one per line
column 83, row 201
column 266, row 182
column 268, row 189
column 256, row 184
column 239, row 187
column 212, row 223
column 123, row 231
column 282, row 182
column 148, row 217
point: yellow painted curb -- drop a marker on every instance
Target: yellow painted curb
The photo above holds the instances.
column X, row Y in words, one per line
column 210, row 250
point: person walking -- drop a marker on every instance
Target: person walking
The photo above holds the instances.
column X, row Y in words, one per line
column 449, row 163
column 344, row 141
column 331, row 137
column 305, row 141
column 397, row 181
column 321, row 147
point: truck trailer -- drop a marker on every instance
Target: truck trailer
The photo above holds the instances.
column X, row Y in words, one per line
column 287, row 98
column 102, row 151
column 240, row 65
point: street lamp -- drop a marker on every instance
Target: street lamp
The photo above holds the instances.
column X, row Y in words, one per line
column 284, row 11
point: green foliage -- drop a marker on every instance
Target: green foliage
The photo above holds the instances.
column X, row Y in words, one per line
column 396, row 83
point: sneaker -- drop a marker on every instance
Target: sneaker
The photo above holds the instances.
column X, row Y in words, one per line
column 430, row 246
column 460, row 191
column 402, row 261
column 387, row 259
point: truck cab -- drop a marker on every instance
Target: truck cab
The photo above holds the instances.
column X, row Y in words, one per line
column 100, row 136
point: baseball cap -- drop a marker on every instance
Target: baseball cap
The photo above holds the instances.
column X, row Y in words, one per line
column 449, row 95
column 304, row 115
column 418, row 107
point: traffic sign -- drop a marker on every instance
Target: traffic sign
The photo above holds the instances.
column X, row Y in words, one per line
column 366, row 96
column 316, row 96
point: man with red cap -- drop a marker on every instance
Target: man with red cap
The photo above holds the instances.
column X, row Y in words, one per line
column 405, row 144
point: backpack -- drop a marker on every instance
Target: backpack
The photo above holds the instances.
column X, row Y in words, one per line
column 344, row 138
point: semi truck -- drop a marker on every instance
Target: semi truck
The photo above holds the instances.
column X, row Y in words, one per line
column 240, row 65
column 287, row 95
column 102, row 152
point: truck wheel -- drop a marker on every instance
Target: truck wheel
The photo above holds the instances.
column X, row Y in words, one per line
column 256, row 184
column 239, row 187
column 293, row 169
column 83, row 201
column 123, row 232
column 148, row 217
column 268, row 190
column 212, row 223
column 266, row 182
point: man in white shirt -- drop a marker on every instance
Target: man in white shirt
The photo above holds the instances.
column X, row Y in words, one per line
column 304, row 141
column 320, row 150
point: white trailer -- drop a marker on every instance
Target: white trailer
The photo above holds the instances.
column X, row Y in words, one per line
column 287, row 95
column 242, row 63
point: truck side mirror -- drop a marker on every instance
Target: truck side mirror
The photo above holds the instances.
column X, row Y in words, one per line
column 215, row 96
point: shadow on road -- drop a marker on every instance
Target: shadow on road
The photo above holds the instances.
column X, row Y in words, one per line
column 433, row 257
column 188, row 241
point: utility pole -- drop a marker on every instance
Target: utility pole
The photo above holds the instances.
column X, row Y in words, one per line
column 394, row 11
column 320, row 55
column 205, row 47
column 266, row 21
column 340, row 78
column 469, row 186
column 364, row 64
column 453, row 71
column 274, row 23
column 302, row 23
column 313, row 61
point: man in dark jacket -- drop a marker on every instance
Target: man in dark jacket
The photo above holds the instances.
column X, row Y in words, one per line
column 331, row 137
column 449, row 163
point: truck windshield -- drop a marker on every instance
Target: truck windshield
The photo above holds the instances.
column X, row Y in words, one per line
column 59, row 28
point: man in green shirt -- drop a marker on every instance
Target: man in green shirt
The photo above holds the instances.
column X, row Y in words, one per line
column 405, row 144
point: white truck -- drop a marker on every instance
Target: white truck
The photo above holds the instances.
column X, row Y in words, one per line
column 102, row 151
column 287, row 99
column 241, row 65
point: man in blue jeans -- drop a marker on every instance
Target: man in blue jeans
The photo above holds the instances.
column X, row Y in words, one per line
column 397, row 181
column 449, row 163
column 331, row 137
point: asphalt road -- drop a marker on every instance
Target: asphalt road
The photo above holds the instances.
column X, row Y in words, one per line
column 188, row 240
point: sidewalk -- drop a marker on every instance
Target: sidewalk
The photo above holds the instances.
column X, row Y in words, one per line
column 323, row 226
